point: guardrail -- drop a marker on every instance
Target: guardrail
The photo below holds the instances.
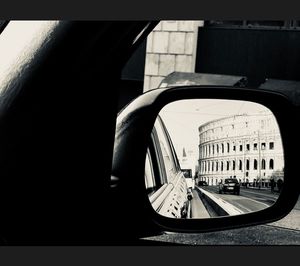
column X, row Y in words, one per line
column 220, row 206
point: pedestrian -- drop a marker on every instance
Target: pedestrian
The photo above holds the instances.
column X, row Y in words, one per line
column 279, row 185
column 272, row 184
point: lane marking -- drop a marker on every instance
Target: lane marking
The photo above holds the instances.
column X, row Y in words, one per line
column 241, row 207
column 259, row 202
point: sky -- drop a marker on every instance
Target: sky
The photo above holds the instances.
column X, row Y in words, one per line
column 183, row 118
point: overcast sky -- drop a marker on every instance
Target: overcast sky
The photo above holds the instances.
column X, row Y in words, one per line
column 182, row 118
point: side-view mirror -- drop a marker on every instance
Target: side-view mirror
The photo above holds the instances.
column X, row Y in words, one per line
column 216, row 157
column 234, row 146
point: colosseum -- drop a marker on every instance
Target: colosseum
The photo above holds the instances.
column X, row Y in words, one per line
column 246, row 147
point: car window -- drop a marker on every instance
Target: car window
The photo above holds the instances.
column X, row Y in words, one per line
column 227, row 181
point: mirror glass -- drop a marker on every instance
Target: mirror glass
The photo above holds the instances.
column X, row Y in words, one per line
column 211, row 158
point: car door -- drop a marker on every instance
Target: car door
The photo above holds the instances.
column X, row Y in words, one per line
column 165, row 181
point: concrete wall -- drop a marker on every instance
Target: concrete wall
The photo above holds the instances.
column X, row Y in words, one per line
column 170, row 47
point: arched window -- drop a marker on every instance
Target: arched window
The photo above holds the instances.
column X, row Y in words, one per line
column 208, row 166
column 233, row 165
column 222, row 166
column 255, row 164
column 227, row 167
column 222, row 148
column 205, row 167
column 228, row 147
column 217, row 166
column 208, row 149
column 263, row 164
column 271, row 164
column 247, row 165
column 241, row 165
column 212, row 166
column 217, row 148
column 213, row 148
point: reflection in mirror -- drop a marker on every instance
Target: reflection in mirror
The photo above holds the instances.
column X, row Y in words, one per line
column 211, row 158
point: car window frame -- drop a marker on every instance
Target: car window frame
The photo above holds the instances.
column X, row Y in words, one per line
column 176, row 161
column 158, row 167
column 170, row 142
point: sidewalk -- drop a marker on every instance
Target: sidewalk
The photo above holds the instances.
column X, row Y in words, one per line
column 291, row 221
column 262, row 188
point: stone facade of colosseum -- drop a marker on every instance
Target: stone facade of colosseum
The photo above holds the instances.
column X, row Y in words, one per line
column 246, row 147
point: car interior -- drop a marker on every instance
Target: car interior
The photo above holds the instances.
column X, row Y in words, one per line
column 87, row 160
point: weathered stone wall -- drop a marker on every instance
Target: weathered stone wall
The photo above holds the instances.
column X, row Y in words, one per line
column 170, row 47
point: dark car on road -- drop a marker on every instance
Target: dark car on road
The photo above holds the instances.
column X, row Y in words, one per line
column 202, row 183
column 230, row 185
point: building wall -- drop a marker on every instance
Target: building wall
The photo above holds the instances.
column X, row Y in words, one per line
column 170, row 47
column 248, row 147
column 188, row 161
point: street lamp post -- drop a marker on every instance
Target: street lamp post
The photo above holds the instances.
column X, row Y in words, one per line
column 259, row 160
column 245, row 168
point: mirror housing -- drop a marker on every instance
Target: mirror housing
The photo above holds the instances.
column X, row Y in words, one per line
column 133, row 135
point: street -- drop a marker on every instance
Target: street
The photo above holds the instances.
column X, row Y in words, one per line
column 249, row 200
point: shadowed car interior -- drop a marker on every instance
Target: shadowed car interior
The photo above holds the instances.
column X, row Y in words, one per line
column 89, row 151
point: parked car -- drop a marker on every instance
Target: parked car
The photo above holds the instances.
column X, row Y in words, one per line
column 230, row 185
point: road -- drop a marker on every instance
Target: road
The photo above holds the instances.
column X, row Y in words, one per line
column 249, row 200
